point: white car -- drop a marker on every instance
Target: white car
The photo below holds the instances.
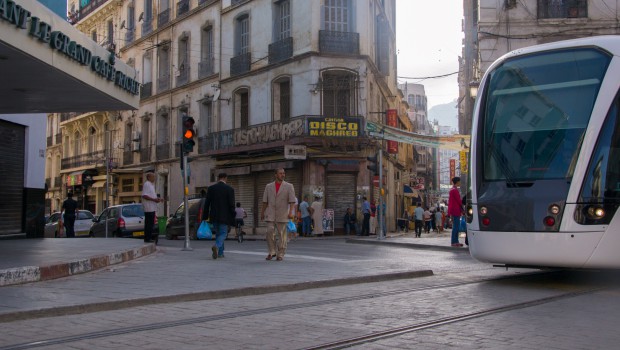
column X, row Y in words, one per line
column 55, row 228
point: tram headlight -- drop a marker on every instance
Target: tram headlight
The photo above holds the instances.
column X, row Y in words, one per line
column 470, row 211
column 484, row 211
column 554, row 209
column 596, row 212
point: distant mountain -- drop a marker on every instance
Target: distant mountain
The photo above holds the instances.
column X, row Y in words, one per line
column 446, row 114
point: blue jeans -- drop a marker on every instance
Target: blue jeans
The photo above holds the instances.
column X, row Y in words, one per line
column 305, row 225
column 220, row 231
column 456, row 222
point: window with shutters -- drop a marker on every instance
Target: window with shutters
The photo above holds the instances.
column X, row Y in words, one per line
column 339, row 92
column 336, row 15
column 205, row 67
column 562, row 9
column 163, row 75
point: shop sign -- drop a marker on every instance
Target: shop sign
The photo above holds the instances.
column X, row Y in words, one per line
column 74, row 180
column 58, row 41
column 333, row 127
column 268, row 133
column 391, row 118
column 452, row 168
column 294, row 152
column 463, row 161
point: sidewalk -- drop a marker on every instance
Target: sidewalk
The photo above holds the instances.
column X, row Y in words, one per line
column 33, row 260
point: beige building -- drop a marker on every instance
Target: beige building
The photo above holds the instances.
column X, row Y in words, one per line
column 269, row 83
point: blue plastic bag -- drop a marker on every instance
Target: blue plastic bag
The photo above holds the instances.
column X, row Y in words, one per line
column 204, row 231
column 291, row 227
column 463, row 225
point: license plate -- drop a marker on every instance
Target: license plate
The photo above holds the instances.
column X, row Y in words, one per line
column 138, row 234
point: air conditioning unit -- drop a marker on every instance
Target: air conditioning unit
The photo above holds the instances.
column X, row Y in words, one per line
column 135, row 146
column 135, row 136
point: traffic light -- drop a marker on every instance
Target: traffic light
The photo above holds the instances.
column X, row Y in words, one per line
column 372, row 164
column 188, row 134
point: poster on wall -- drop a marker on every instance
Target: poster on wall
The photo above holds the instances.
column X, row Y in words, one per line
column 328, row 220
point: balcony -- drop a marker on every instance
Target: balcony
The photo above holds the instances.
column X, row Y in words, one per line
column 58, row 138
column 281, row 50
column 127, row 157
column 163, row 151
column 163, row 83
column 341, row 43
column 147, row 26
column 129, row 36
column 182, row 7
column 205, row 67
column 183, row 77
column 240, row 64
column 145, row 154
column 67, row 116
column 163, row 18
column 146, row 90
column 88, row 159
column 49, row 141
column 203, row 144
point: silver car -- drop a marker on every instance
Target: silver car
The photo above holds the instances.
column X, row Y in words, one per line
column 55, row 228
column 125, row 220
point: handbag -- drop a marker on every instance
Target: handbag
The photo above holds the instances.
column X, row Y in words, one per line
column 204, row 231
column 463, row 225
column 291, row 227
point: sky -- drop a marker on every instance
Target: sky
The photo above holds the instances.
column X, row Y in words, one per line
column 428, row 43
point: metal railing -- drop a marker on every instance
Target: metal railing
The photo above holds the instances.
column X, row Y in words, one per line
column 127, row 157
column 182, row 7
column 147, row 27
column 205, row 67
column 49, row 141
column 281, row 50
column 82, row 160
column 129, row 36
column 162, row 151
column 145, row 154
column 183, row 77
column 343, row 43
column 163, row 18
column 163, row 83
column 240, row 64
column 58, row 138
column 146, row 90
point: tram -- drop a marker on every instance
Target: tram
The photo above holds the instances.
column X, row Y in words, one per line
column 544, row 186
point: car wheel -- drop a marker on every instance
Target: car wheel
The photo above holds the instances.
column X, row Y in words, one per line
column 169, row 235
column 91, row 234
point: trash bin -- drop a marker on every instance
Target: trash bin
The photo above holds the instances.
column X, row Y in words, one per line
column 161, row 224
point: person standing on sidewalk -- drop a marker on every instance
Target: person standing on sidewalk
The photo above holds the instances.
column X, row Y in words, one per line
column 149, row 203
column 317, row 216
column 220, row 206
column 70, row 208
column 454, row 210
column 366, row 222
column 306, row 220
column 278, row 208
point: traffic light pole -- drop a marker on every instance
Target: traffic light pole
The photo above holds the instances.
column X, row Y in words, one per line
column 186, row 209
column 381, row 220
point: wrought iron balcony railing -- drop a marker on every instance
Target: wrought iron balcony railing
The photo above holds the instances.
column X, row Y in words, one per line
column 163, row 83
column 182, row 7
column 183, row 77
column 163, row 18
column 342, row 43
column 163, row 151
column 146, row 90
column 83, row 159
column 205, row 67
column 127, row 157
column 129, row 36
column 58, row 138
column 240, row 64
column 281, row 50
column 147, row 27
column 49, row 141
column 145, row 154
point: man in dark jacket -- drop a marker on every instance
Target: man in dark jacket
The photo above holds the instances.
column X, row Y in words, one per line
column 70, row 208
column 220, row 208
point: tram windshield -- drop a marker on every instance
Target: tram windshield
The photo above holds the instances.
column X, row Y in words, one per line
column 536, row 111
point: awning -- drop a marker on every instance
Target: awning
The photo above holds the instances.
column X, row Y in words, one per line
column 411, row 193
column 98, row 184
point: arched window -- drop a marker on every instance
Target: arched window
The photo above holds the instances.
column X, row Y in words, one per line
column 92, row 141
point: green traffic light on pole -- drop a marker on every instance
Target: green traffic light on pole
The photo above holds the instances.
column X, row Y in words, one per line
column 188, row 134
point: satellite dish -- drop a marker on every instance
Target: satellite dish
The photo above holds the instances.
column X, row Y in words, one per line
column 216, row 94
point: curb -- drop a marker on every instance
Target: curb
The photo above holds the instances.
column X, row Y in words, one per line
column 207, row 295
column 409, row 245
column 28, row 274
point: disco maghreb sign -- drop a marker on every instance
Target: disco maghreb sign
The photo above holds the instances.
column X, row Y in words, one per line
column 454, row 142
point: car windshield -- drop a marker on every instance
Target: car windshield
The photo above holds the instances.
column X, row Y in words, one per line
column 85, row 215
column 133, row 211
column 536, row 111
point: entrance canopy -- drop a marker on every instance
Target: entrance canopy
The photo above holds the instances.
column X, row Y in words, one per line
column 48, row 66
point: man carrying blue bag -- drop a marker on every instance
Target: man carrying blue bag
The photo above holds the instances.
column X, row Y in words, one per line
column 220, row 209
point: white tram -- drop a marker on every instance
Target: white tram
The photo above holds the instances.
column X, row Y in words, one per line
column 544, row 185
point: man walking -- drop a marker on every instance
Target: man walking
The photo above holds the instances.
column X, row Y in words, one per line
column 278, row 208
column 149, row 203
column 306, row 220
column 418, row 216
column 220, row 206
column 69, row 206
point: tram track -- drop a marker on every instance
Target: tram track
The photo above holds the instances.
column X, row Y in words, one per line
column 319, row 303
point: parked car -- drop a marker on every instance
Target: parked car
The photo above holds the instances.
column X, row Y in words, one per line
column 124, row 220
column 175, row 225
column 55, row 228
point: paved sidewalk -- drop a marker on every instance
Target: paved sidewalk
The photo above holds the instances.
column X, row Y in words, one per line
column 33, row 260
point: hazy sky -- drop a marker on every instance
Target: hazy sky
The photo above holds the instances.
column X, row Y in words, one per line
column 428, row 43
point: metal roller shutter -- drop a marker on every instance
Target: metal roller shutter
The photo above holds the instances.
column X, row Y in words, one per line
column 12, row 173
column 340, row 195
column 244, row 194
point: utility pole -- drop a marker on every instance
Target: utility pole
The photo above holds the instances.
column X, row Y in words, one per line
column 187, row 146
column 107, row 177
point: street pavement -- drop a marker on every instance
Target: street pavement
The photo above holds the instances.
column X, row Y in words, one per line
column 38, row 277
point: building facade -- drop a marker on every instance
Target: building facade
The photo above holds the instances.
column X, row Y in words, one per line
column 270, row 84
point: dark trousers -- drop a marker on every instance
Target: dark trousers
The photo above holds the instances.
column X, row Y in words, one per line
column 366, row 225
column 149, row 221
column 418, row 228
column 69, row 226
